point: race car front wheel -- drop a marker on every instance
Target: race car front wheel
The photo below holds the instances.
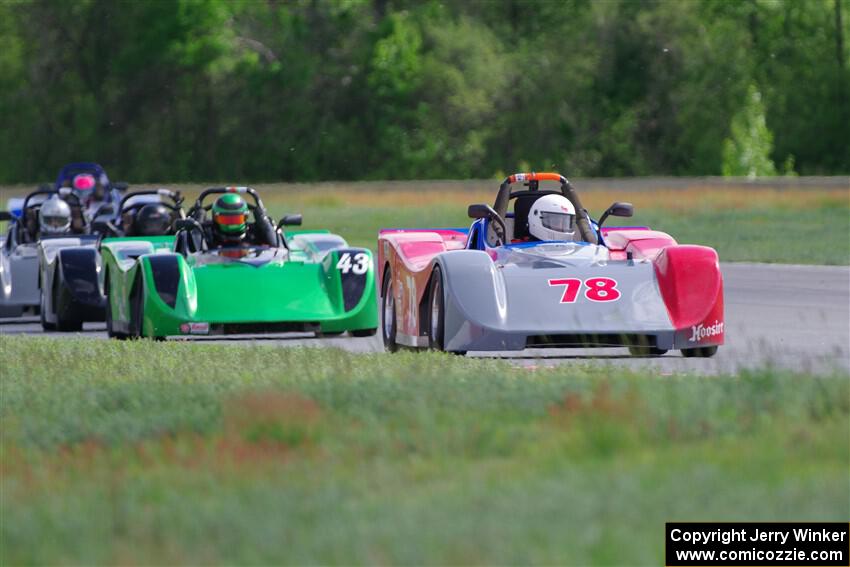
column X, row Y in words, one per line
column 437, row 314
column 137, row 305
column 65, row 322
column 42, row 313
column 110, row 332
column 436, row 311
column 388, row 318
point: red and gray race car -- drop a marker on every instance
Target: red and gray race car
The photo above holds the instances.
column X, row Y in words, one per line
column 535, row 270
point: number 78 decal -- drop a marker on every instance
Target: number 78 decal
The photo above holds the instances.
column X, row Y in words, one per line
column 598, row 289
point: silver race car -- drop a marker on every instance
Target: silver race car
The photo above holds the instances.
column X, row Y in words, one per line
column 19, row 290
column 535, row 270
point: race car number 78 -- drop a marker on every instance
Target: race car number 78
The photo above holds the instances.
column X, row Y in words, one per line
column 598, row 289
column 360, row 265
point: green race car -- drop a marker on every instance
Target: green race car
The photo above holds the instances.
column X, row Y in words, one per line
column 239, row 273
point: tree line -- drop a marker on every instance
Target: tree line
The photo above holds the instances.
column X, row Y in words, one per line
column 265, row 90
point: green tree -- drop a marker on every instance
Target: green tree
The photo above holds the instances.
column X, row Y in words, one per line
column 172, row 90
column 746, row 152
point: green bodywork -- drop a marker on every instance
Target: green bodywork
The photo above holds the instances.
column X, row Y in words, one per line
column 268, row 290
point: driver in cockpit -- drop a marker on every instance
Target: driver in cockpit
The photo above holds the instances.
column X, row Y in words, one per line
column 553, row 217
column 230, row 221
column 93, row 192
column 54, row 218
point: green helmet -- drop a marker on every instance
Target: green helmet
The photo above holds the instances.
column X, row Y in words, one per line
column 230, row 216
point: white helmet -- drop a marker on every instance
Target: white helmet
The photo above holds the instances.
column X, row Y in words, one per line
column 54, row 217
column 552, row 217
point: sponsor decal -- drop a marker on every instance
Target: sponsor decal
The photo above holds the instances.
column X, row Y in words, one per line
column 195, row 328
column 700, row 332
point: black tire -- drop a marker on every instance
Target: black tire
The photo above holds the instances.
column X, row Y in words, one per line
column 137, row 312
column 388, row 328
column 437, row 314
column 63, row 324
column 45, row 325
column 699, row 352
column 436, row 311
column 109, row 332
column 364, row 333
column 137, row 305
column 646, row 351
column 68, row 325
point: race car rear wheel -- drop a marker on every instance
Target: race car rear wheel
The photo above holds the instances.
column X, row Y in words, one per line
column 700, row 352
column 388, row 317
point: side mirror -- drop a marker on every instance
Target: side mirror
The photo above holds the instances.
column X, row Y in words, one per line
column 121, row 185
column 291, row 220
column 6, row 216
column 481, row 211
column 617, row 210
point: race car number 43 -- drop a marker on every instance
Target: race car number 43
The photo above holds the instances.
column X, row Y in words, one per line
column 595, row 289
column 359, row 266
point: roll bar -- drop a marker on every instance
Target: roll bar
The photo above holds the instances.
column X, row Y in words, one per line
column 567, row 190
column 175, row 196
column 60, row 192
column 221, row 190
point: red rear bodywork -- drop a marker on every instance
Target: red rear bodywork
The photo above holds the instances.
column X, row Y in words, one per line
column 408, row 253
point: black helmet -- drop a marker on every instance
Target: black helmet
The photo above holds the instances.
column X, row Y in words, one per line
column 152, row 220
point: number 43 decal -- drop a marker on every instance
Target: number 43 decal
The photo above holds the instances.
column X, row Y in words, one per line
column 359, row 266
column 598, row 289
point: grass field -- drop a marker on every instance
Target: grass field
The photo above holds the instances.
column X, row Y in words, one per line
column 162, row 453
column 761, row 223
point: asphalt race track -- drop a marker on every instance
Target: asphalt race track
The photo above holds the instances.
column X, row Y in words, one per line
column 795, row 317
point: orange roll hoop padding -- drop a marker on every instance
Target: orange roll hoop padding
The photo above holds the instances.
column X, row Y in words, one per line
column 534, row 177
